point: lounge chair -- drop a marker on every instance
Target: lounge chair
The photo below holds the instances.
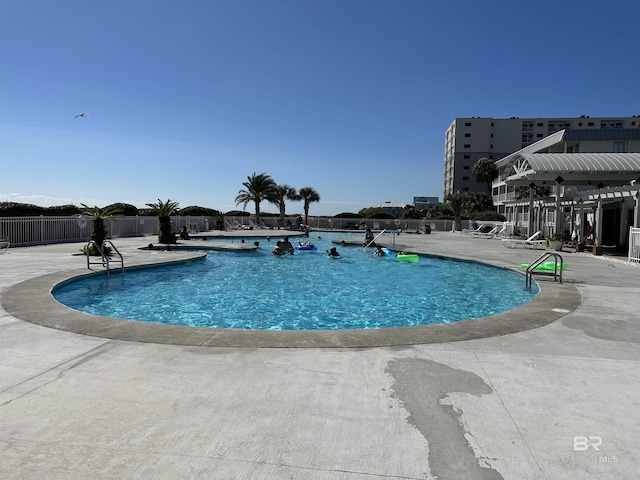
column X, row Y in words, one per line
column 466, row 231
column 502, row 233
column 5, row 243
column 530, row 242
column 234, row 226
column 497, row 232
column 488, row 234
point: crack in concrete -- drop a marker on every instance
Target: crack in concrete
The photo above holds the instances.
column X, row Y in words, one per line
column 52, row 374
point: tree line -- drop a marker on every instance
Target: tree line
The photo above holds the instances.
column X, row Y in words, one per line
column 262, row 187
column 15, row 209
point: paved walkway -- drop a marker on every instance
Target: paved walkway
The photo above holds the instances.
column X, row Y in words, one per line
column 528, row 405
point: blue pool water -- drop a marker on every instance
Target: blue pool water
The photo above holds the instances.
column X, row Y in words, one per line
column 305, row 291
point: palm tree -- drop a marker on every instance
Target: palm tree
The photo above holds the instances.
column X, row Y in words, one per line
column 281, row 193
column 457, row 202
column 99, row 215
column 257, row 188
column 164, row 210
column 308, row 195
column 478, row 202
column 485, row 171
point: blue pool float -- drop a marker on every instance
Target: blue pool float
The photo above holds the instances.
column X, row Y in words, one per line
column 306, row 247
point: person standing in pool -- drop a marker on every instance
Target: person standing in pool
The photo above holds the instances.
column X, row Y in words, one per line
column 333, row 252
column 368, row 236
column 286, row 246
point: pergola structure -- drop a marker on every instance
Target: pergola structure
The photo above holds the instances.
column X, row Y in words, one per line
column 598, row 170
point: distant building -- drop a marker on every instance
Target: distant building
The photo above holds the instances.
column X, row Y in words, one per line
column 425, row 203
column 467, row 140
column 394, row 209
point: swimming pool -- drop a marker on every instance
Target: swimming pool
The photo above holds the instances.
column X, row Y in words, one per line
column 305, row 291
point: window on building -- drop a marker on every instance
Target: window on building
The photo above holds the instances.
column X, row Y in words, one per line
column 590, row 124
column 467, row 145
column 619, row 147
column 467, row 124
column 465, row 178
column 466, row 157
column 465, row 189
column 539, row 135
column 579, row 124
column 492, row 135
column 540, row 124
column 465, row 167
column 467, row 134
column 491, row 146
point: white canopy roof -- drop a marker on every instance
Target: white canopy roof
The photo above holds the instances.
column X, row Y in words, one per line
column 607, row 169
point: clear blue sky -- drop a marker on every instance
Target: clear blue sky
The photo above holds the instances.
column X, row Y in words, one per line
column 185, row 99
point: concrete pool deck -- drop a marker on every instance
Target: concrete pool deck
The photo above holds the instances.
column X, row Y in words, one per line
column 528, row 405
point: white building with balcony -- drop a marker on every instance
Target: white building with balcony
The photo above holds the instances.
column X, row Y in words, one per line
column 467, row 140
column 572, row 177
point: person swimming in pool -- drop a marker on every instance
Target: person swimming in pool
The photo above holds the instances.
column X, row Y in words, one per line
column 333, row 252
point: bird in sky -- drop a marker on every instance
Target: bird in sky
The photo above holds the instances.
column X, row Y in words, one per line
column 79, row 115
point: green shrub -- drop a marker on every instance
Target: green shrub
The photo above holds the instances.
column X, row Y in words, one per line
column 93, row 251
column 490, row 216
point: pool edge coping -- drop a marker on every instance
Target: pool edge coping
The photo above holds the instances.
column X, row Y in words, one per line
column 32, row 301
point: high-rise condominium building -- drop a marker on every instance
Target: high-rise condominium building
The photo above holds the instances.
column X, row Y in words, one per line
column 467, row 140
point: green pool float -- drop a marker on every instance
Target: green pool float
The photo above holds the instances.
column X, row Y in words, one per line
column 546, row 266
column 407, row 257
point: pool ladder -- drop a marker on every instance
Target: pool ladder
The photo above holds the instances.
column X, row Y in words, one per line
column 557, row 268
column 105, row 259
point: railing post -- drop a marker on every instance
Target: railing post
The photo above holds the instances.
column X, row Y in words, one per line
column 634, row 245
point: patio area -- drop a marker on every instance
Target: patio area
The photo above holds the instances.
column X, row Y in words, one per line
column 556, row 400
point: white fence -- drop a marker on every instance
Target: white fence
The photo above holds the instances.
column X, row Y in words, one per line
column 634, row 245
column 27, row 231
